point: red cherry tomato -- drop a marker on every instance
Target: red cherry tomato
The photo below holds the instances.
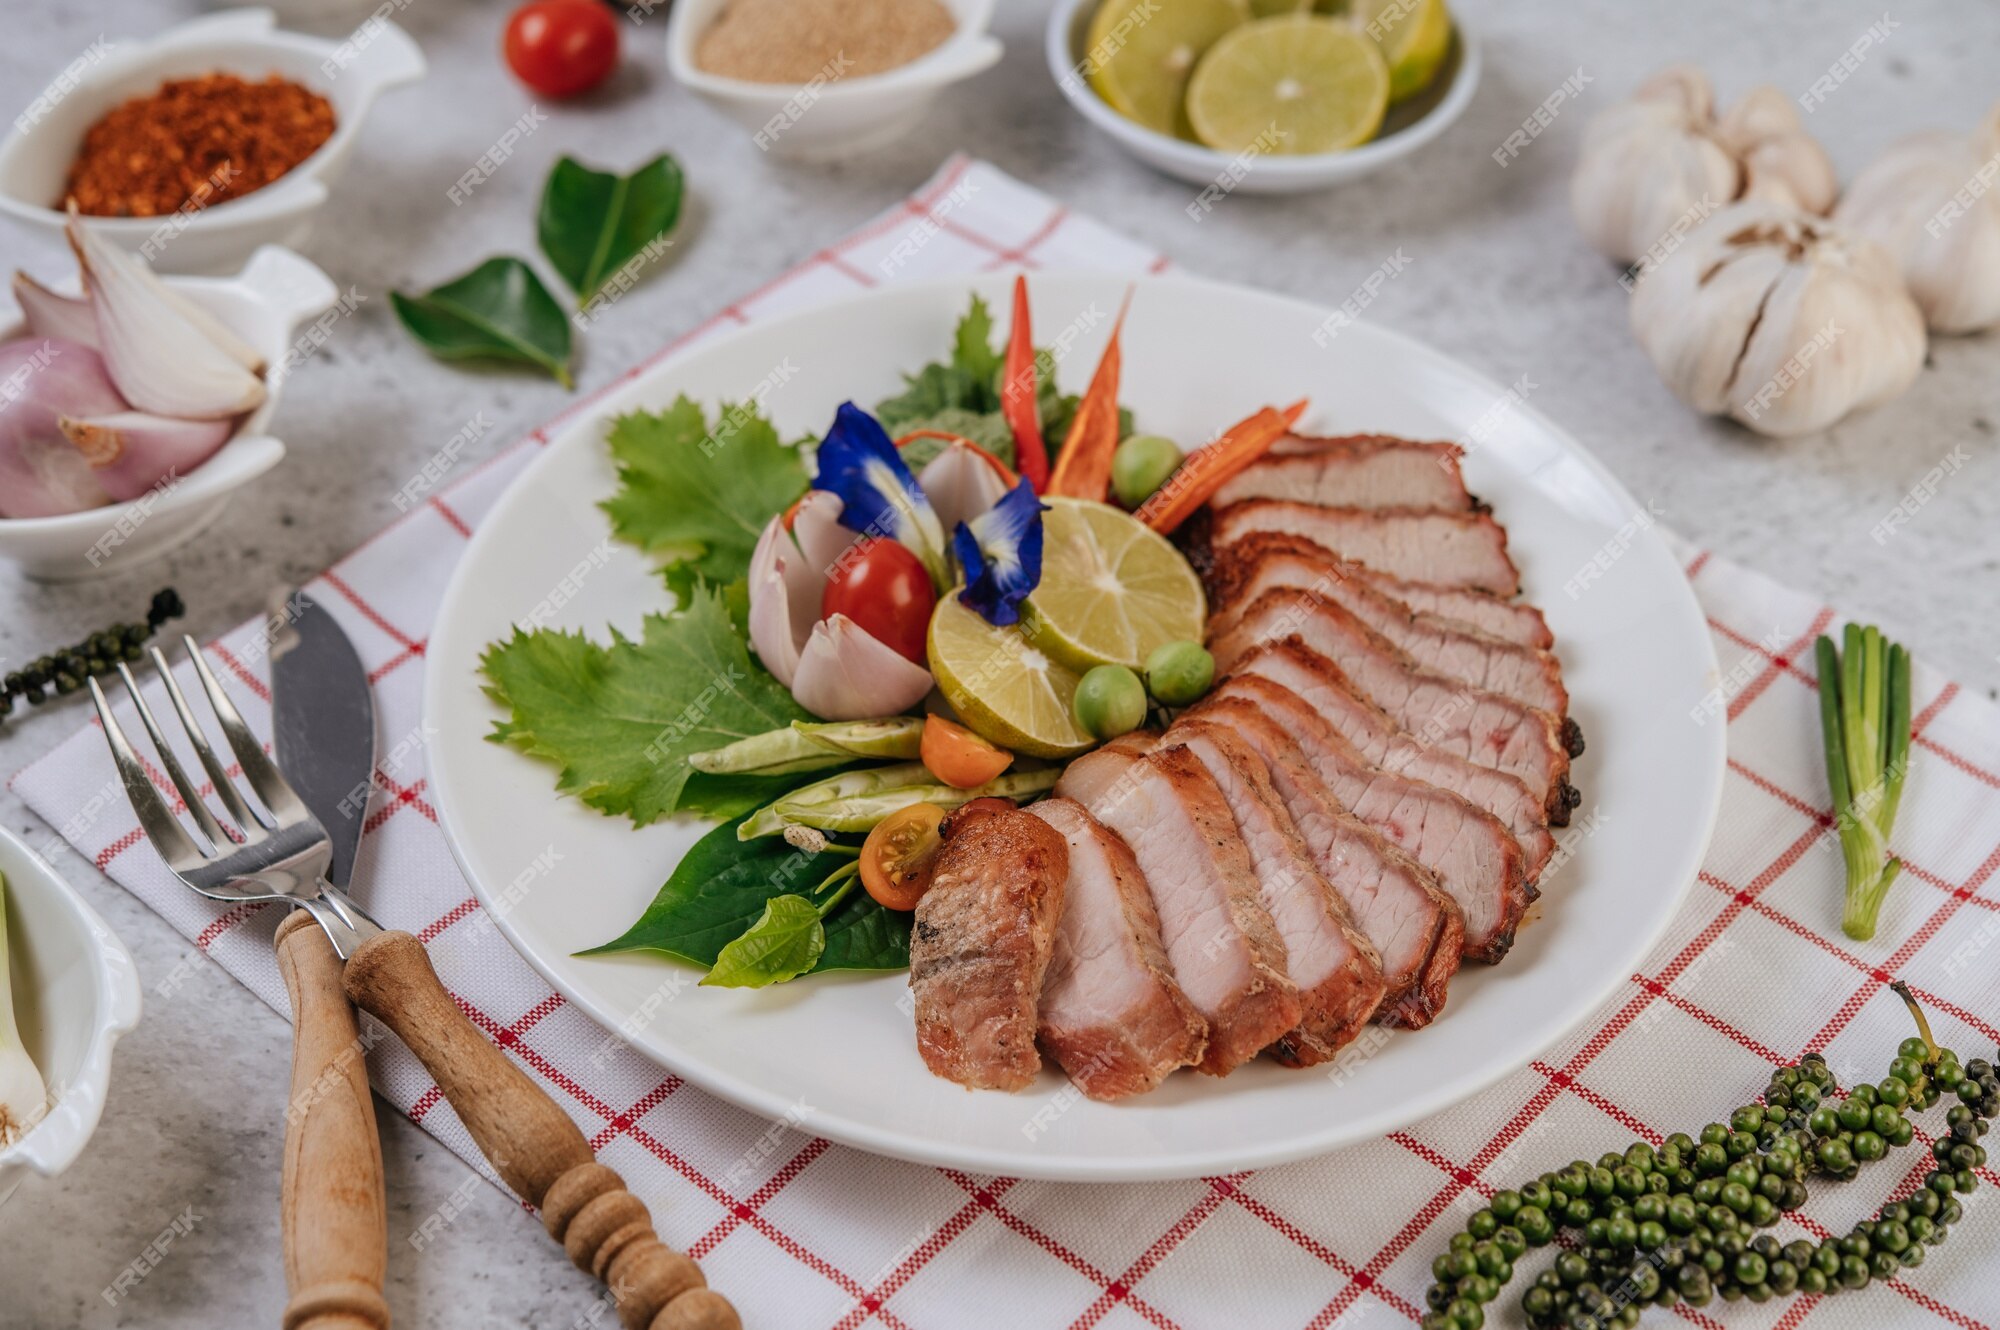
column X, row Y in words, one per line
column 562, row 47
column 884, row 589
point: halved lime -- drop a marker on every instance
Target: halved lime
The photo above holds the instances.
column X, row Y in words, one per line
column 1294, row 84
column 1415, row 37
column 1112, row 589
column 1141, row 52
column 1003, row 688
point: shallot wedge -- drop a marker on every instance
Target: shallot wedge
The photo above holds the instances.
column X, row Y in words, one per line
column 164, row 355
column 50, row 314
column 133, row 452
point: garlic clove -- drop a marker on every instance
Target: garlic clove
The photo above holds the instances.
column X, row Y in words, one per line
column 50, row 314
column 1781, row 162
column 1933, row 201
column 963, row 483
column 133, row 452
column 162, row 360
column 845, row 673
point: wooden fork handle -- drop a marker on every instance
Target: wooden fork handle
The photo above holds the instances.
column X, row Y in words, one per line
column 335, row 1220
column 534, row 1146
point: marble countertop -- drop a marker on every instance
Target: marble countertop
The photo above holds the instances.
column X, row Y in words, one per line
column 1496, row 275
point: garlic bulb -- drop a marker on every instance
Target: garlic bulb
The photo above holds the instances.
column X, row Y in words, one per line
column 1779, row 319
column 1932, row 201
column 1658, row 164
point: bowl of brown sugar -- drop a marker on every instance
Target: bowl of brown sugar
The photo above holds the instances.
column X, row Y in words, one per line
column 198, row 146
column 819, row 79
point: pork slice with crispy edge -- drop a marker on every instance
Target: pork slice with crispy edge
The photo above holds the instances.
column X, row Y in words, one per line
column 1256, row 563
column 1527, row 674
column 1319, row 681
column 1463, row 549
column 1360, row 471
column 1111, row 1015
column 1415, row 928
column 1226, row 953
column 1468, row 851
column 1338, row 974
column 1484, row 727
column 980, row 948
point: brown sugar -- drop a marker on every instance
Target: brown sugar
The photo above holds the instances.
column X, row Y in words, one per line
column 195, row 142
column 799, row 41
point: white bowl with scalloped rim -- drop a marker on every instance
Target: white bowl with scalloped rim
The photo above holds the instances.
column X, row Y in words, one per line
column 350, row 73
column 264, row 304
column 76, row 991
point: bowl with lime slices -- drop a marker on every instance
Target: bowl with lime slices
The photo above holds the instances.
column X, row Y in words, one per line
column 1264, row 96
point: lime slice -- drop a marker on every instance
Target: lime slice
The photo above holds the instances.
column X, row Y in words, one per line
column 1006, row 690
column 1141, row 52
column 1289, row 85
column 1112, row 589
column 1266, row 8
column 1415, row 37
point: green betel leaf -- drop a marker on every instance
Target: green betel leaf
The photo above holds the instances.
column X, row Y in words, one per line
column 721, row 886
column 697, row 497
column 783, row 944
column 619, row 721
column 595, row 223
column 498, row 311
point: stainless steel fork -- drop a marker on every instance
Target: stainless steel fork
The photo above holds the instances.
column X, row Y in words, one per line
column 279, row 852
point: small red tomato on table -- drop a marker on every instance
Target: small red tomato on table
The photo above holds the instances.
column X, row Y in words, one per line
column 883, row 588
column 561, row 48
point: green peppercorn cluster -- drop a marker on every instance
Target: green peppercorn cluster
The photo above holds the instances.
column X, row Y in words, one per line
column 63, row 672
column 1654, row 1227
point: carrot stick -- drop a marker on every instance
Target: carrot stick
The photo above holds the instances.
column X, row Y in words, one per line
column 1207, row 469
column 1017, row 394
column 1000, row 468
column 1083, row 468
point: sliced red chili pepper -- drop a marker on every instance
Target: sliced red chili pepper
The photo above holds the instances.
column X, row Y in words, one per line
column 1017, row 394
column 1083, row 468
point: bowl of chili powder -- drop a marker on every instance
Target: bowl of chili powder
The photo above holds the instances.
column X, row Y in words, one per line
column 198, row 146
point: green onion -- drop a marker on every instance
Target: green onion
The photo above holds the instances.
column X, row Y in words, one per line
column 1864, row 710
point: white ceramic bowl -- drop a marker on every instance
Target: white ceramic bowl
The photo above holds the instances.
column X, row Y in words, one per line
column 1409, row 125
column 276, row 292
column 350, row 73
column 75, row 991
column 842, row 116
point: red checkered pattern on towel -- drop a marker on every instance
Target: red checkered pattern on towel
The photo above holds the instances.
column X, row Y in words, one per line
column 825, row 1236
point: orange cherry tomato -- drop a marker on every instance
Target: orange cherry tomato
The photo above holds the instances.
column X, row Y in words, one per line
column 899, row 855
column 958, row 757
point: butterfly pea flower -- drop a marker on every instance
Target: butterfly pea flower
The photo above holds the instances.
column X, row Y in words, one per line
column 1000, row 553
column 879, row 497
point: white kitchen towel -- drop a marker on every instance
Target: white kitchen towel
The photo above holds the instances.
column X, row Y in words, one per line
column 800, row 1233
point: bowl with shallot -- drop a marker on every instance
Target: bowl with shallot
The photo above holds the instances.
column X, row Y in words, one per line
column 260, row 122
column 808, row 89
column 133, row 406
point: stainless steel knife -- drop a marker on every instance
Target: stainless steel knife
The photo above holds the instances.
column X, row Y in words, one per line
column 323, row 722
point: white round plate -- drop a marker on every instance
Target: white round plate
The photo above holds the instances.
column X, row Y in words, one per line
column 839, row 1052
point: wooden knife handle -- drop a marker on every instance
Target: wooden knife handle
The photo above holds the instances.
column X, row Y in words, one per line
column 336, row 1220
column 534, row 1146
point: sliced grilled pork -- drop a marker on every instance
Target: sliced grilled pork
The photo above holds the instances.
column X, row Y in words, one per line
column 1338, row 974
column 1422, row 545
column 1226, row 953
column 1358, row 471
column 1468, row 851
column 1526, row 674
column 1487, row 728
column 1111, row 1014
column 1303, row 671
column 981, row 945
column 1256, row 563
column 1413, row 925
